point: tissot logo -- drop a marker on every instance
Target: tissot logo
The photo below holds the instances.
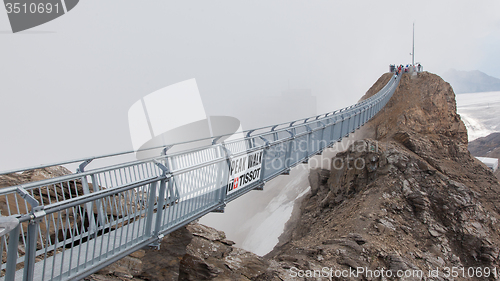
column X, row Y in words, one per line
column 25, row 14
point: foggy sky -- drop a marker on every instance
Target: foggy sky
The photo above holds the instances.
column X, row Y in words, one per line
column 66, row 86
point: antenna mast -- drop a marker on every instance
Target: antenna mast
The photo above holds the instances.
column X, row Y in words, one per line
column 413, row 47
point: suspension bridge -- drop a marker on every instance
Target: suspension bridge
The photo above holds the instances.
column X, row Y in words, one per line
column 85, row 221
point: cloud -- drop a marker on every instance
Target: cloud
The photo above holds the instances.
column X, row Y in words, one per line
column 66, row 94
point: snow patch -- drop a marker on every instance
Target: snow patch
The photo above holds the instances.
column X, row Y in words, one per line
column 479, row 112
column 272, row 220
column 475, row 129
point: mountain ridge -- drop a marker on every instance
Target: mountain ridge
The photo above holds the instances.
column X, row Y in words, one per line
column 420, row 202
column 471, row 81
column 488, row 146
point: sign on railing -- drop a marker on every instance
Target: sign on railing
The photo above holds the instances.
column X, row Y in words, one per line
column 244, row 171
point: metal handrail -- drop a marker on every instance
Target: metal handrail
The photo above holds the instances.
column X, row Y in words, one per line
column 78, row 160
column 76, row 176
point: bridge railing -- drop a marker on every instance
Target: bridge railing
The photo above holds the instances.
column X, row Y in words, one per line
column 74, row 225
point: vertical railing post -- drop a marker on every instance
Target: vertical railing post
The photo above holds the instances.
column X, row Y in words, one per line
column 161, row 202
column 12, row 248
column 309, row 137
column 36, row 214
column 222, row 180
column 30, row 254
column 250, row 140
column 100, row 210
column 88, row 206
column 332, row 134
column 348, row 123
column 358, row 118
column 341, row 134
column 264, row 154
column 220, row 170
column 86, row 191
column 361, row 116
column 353, row 119
column 275, row 134
column 224, row 177
column 226, row 167
column 166, row 176
column 322, row 136
column 151, row 207
column 288, row 152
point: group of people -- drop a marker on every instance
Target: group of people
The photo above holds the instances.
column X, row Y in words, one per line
column 397, row 69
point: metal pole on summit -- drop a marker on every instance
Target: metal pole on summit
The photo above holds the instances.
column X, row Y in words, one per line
column 413, row 47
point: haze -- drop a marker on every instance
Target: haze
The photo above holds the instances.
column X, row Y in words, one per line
column 66, row 86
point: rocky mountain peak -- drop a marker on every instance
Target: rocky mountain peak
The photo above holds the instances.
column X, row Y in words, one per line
column 33, row 175
column 424, row 105
column 410, row 197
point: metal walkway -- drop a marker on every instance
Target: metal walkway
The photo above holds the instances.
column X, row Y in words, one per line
column 87, row 220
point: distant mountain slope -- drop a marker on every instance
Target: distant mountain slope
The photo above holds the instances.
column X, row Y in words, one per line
column 488, row 146
column 471, row 81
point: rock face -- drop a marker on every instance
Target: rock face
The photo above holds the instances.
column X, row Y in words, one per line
column 38, row 175
column 409, row 198
column 32, row 175
column 41, row 195
column 194, row 252
column 209, row 255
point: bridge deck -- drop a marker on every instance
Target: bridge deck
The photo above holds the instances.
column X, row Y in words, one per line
column 190, row 183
